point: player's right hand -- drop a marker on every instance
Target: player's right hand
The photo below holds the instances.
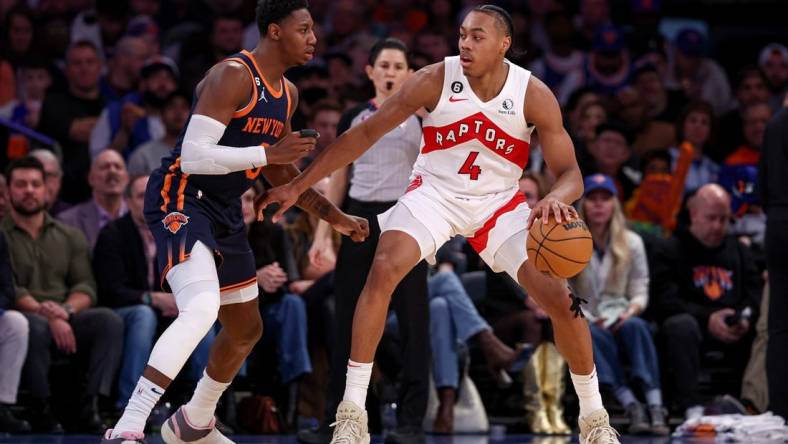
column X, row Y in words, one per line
column 285, row 195
column 289, row 149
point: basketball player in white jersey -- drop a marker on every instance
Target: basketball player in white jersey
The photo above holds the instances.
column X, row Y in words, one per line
column 482, row 110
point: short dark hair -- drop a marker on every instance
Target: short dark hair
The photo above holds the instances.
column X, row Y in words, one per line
column 500, row 14
column 130, row 185
column 616, row 127
column 273, row 11
column 387, row 43
column 696, row 106
column 27, row 162
column 645, row 69
column 325, row 105
column 177, row 95
column 656, row 154
column 82, row 44
column 747, row 72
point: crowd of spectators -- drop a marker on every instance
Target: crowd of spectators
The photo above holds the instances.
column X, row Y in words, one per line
column 669, row 138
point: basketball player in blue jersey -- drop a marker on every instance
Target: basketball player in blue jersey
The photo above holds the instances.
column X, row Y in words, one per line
column 482, row 110
column 238, row 129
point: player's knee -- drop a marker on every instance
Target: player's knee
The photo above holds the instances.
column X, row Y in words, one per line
column 386, row 272
column 250, row 331
column 199, row 306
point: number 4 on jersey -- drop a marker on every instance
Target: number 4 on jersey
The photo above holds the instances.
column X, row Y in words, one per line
column 469, row 168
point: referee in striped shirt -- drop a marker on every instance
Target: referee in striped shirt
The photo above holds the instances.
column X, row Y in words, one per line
column 376, row 180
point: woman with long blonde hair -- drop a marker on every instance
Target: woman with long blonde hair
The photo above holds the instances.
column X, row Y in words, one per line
column 615, row 284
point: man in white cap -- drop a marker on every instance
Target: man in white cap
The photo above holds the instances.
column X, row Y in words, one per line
column 773, row 60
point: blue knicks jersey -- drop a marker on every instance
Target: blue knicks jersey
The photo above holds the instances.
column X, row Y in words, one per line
column 261, row 122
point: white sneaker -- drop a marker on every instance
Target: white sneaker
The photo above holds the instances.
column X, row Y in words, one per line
column 350, row 426
column 595, row 429
column 178, row 430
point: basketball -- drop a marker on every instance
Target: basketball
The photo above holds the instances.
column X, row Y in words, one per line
column 560, row 250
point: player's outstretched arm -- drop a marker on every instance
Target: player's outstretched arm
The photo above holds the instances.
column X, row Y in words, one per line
column 423, row 89
column 542, row 110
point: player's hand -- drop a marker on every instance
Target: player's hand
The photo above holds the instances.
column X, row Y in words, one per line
column 321, row 254
column 285, row 195
column 289, row 149
column 165, row 302
column 63, row 335
column 357, row 228
column 561, row 211
column 719, row 329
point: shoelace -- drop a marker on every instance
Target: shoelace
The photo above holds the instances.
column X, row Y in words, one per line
column 602, row 435
column 345, row 430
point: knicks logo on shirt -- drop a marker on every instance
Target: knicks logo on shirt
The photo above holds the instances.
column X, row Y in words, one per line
column 714, row 281
column 174, row 221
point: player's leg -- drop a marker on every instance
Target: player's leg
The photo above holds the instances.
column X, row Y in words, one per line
column 195, row 285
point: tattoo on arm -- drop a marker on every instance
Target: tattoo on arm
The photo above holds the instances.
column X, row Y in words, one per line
column 315, row 203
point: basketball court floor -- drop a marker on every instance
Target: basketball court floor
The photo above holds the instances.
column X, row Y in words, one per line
column 289, row 439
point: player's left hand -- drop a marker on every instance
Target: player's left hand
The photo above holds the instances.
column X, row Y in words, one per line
column 285, row 195
column 357, row 228
column 560, row 210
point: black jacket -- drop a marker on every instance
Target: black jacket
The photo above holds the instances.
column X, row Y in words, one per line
column 119, row 265
column 687, row 277
column 773, row 168
column 7, row 292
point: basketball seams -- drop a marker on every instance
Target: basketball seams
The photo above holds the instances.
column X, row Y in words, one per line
column 540, row 245
column 564, row 257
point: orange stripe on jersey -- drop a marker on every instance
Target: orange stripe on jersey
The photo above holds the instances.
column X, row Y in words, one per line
column 165, row 190
column 239, row 285
column 181, row 188
column 252, row 100
column 267, row 85
column 287, row 92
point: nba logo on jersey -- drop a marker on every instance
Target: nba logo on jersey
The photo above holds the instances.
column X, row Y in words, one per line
column 174, row 221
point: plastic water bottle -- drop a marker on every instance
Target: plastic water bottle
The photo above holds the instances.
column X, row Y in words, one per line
column 388, row 417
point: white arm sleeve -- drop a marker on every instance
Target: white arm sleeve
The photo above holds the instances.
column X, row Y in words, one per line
column 200, row 153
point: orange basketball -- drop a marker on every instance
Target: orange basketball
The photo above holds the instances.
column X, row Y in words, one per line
column 561, row 250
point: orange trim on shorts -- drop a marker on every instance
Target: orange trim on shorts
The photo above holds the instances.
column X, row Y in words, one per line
column 165, row 189
column 252, row 100
column 239, row 285
column 265, row 82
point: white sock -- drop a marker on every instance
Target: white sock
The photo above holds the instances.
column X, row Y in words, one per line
column 358, row 375
column 203, row 403
column 587, row 389
column 142, row 401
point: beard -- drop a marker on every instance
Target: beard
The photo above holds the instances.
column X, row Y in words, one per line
column 152, row 99
column 20, row 208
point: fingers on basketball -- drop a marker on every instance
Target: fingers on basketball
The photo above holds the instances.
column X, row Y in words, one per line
column 559, row 249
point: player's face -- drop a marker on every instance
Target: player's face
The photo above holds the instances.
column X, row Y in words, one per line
column 27, row 192
column 482, row 44
column 598, row 207
column 389, row 71
column 297, row 37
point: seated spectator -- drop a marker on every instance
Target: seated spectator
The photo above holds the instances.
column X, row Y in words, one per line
column 699, row 278
column 695, row 126
column 3, row 196
column 14, row 332
column 751, row 88
column 454, row 321
column 661, row 104
column 562, row 65
column 54, row 179
column 108, row 179
column 102, row 25
column 135, row 119
column 55, row 290
column 615, row 284
column 611, row 151
column 124, row 264
column 123, row 68
column 174, row 114
column 34, row 80
column 773, row 60
column 649, row 133
column 608, row 66
column 700, row 77
column 754, row 120
column 325, row 118
column 592, row 114
column 69, row 117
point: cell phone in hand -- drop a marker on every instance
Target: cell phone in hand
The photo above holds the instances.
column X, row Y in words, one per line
column 734, row 319
column 308, row 133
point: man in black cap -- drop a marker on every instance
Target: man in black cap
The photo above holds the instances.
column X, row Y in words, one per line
column 136, row 118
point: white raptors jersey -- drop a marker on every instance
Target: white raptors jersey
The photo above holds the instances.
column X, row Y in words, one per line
column 470, row 147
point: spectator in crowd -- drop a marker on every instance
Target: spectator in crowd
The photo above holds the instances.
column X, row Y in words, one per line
column 108, row 179
column 754, row 120
column 53, row 175
column 136, row 118
column 561, row 67
column 574, row 105
column 608, row 67
column 696, row 125
column 751, row 88
column 649, row 133
column 700, row 278
column 773, row 61
column 14, row 332
column 615, row 284
column 124, row 68
column 102, row 26
column 145, row 27
column 18, row 38
column 592, row 115
column 593, row 15
column 697, row 75
column 34, row 80
column 55, row 290
column 198, row 55
column 661, row 104
column 434, row 44
column 69, row 117
column 773, row 184
column 3, row 196
column 325, row 118
column 124, row 264
column 611, row 151
column 174, row 114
